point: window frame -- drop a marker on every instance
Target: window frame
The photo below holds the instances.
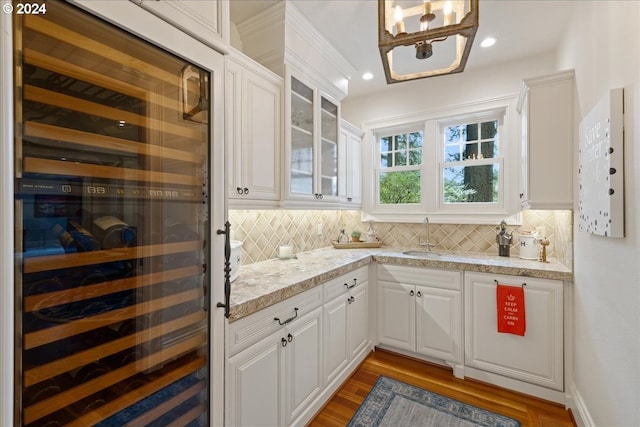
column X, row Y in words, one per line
column 432, row 203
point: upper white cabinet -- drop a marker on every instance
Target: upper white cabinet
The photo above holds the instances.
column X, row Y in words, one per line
column 253, row 132
column 311, row 156
column 205, row 20
column 350, row 165
column 537, row 358
column 420, row 311
column 546, row 108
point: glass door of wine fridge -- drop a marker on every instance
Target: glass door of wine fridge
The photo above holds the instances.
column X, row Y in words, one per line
column 112, row 226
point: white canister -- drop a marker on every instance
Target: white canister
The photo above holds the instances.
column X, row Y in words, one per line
column 236, row 259
column 529, row 246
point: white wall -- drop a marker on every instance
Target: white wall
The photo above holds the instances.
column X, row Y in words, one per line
column 445, row 91
column 603, row 46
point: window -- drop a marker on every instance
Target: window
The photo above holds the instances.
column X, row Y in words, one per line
column 457, row 165
column 471, row 167
column 399, row 172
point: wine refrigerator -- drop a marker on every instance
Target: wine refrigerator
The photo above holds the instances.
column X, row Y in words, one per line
column 112, row 211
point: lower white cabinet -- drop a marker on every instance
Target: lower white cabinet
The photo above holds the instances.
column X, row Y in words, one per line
column 535, row 358
column 346, row 321
column 287, row 360
column 420, row 311
column 272, row 381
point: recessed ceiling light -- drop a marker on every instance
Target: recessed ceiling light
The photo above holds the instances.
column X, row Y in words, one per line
column 489, row 41
column 367, row 76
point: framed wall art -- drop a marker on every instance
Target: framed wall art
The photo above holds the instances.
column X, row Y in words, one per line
column 600, row 168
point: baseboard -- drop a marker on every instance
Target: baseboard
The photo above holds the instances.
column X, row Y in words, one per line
column 516, row 385
column 579, row 408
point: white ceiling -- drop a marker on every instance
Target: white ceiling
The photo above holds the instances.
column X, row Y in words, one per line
column 523, row 28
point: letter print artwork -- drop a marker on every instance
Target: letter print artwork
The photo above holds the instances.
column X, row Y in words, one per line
column 600, row 168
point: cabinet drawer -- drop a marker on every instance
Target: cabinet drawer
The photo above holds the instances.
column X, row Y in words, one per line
column 338, row 286
column 420, row 276
column 253, row 328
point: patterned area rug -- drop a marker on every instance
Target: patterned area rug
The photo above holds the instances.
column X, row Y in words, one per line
column 393, row 403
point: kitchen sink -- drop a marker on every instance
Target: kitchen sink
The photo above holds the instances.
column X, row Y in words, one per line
column 424, row 254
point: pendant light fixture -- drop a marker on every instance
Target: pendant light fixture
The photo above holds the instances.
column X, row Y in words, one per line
column 440, row 32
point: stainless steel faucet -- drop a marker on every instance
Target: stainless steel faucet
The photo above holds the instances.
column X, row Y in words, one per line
column 426, row 243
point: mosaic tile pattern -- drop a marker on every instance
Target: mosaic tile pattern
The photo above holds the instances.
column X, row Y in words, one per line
column 263, row 231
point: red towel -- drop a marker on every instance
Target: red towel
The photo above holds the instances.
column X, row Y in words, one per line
column 510, row 303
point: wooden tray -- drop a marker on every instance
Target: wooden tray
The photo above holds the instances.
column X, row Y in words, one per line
column 354, row 245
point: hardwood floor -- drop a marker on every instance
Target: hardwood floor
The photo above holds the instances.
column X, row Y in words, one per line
column 528, row 410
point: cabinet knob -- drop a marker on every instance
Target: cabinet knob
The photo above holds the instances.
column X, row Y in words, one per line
column 239, row 190
column 412, row 293
column 521, row 195
column 349, row 199
column 289, row 337
column 351, row 299
column 246, row 191
column 284, row 342
column 419, row 294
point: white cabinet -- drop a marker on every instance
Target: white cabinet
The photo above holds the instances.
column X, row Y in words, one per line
column 256, row 382
column 253, row 131
column 350, row 165
column 312, row 149
column 205, row 20
column 346, row 321
column 535, row 358
column 275, row 368
column 420, row 311
column 546, row 110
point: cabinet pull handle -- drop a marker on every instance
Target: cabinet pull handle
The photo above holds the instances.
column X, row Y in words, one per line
column 419, row 294
column 355, row 282
column 349, row 199
column 227, row 268
column 239, row 190
column 411, row 293
column 289, row 337
column 288, row 320
column 284, row 342
column 351, row 299
column 246, row 191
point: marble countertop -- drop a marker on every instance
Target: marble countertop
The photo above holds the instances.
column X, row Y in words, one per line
column 265, row 283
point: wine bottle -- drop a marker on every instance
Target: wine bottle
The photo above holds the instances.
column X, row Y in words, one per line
column 66, row 240
column 113, row 232
column 85, row 240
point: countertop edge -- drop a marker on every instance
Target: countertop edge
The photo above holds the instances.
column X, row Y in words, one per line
column 246, row 308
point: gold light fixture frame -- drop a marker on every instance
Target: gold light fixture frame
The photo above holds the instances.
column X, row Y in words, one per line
column 387, row 41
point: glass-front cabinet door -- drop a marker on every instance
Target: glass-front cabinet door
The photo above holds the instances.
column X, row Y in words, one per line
column 112, row 227
column 302, row 138
column 329, row 145
column 313, row 166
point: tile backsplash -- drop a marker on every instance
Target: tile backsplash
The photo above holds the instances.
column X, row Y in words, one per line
column 263, row 231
